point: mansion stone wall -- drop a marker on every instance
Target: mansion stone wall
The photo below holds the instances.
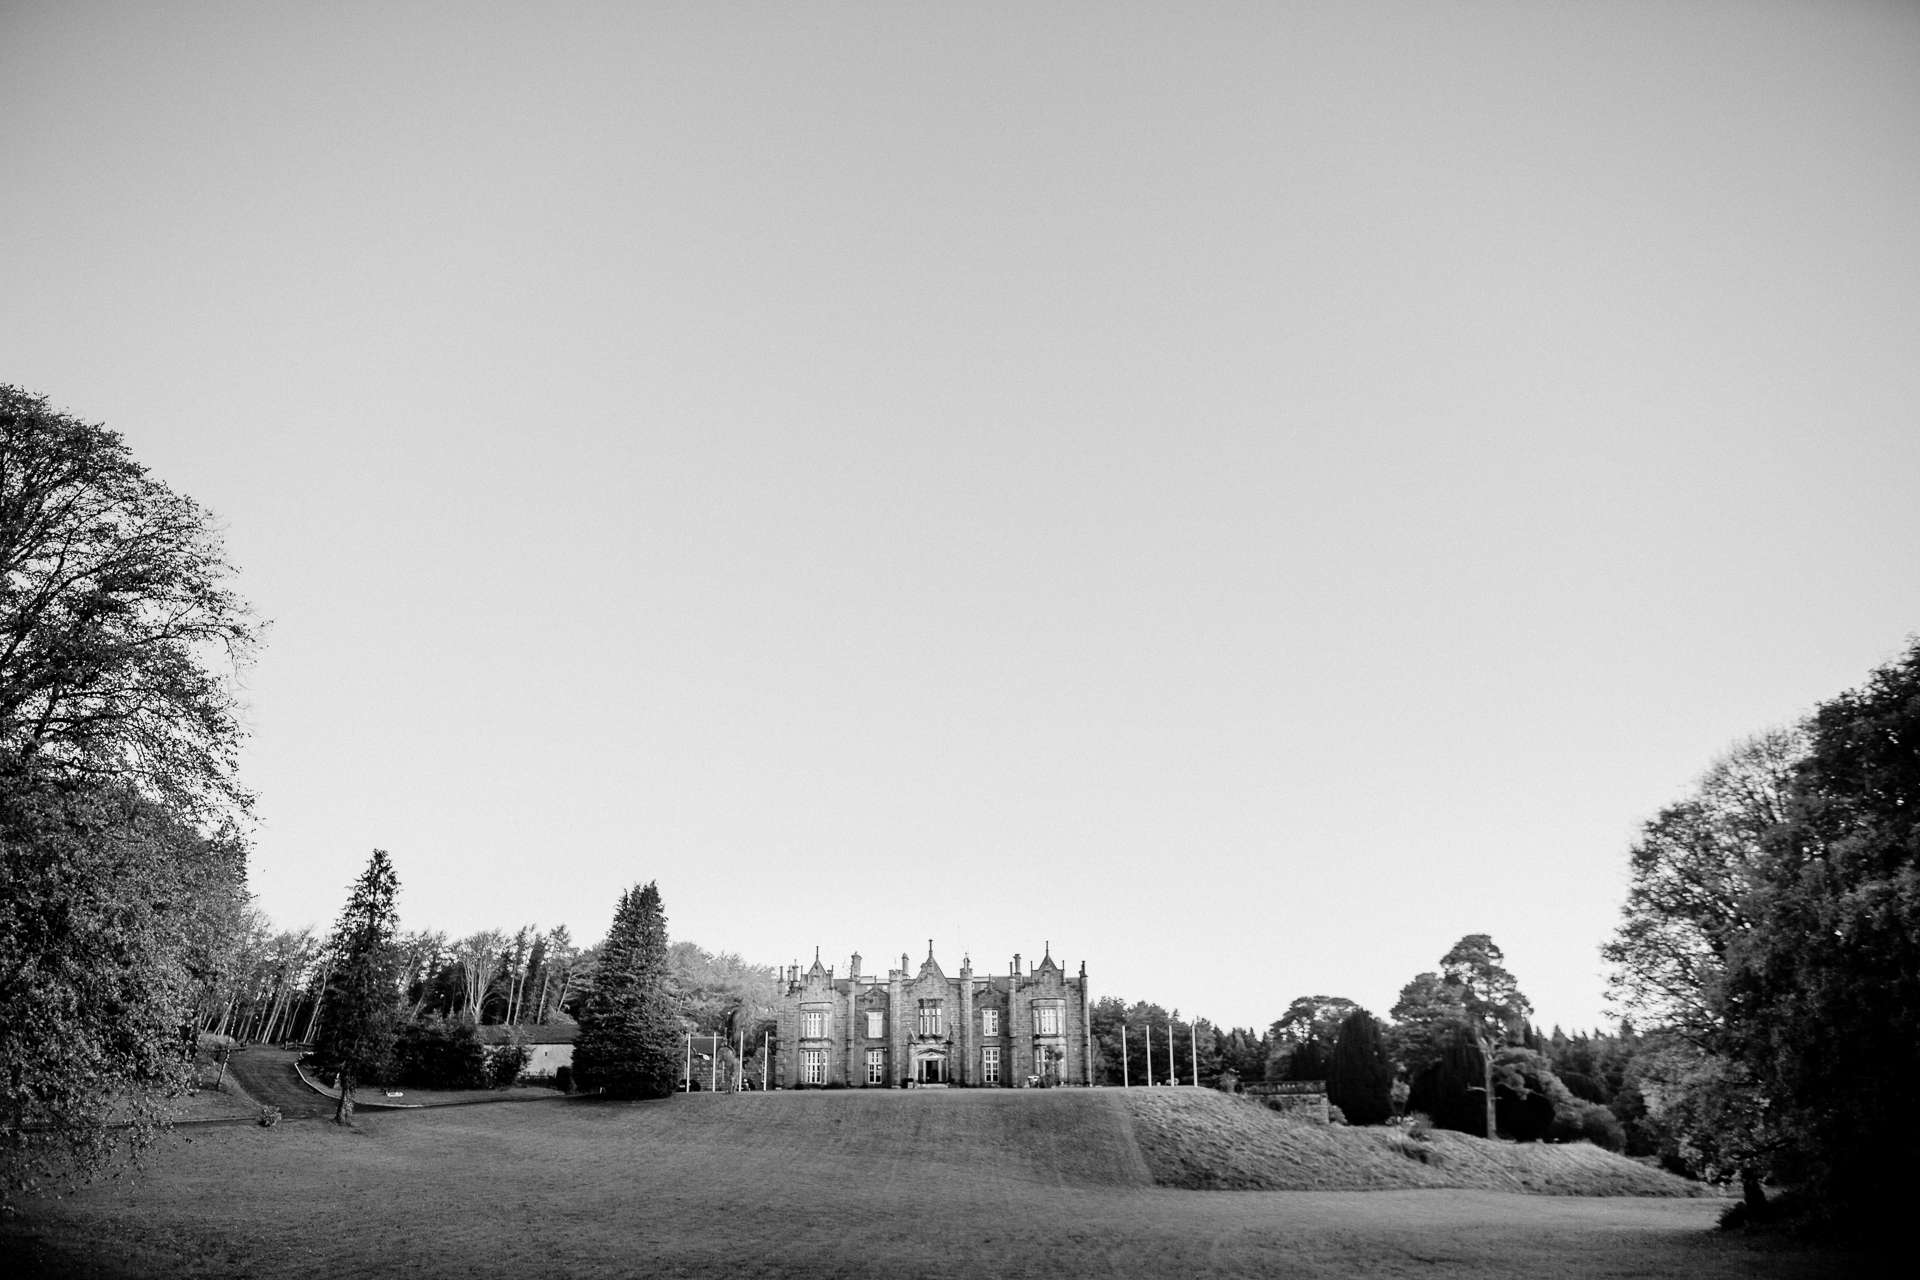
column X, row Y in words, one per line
column 911, row 1028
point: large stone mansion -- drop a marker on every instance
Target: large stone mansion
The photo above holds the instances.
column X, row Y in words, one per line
column 929, row 1029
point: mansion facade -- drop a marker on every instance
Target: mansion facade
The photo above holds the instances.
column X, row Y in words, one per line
column 928, row 1029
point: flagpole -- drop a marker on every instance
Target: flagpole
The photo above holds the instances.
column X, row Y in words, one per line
column 1123, row 1056
column 689, row 1062
column 1149, row 1053
column 1193, row 1043
column 1173, row 1061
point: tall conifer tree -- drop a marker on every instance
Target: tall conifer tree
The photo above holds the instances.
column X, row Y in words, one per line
column 359, row 1015
column 628, row 1037
column 1359, row 1074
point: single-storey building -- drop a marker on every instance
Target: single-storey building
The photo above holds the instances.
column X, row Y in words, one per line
column 549, row 1047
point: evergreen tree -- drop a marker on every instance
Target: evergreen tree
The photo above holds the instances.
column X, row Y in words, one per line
column 628, row 1031
column 360, row 1010
column 1308, row 1061
column 1359, row 1073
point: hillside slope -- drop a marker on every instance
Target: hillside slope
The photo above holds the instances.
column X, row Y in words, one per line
column 1200, row 1139
column 1054, row 1137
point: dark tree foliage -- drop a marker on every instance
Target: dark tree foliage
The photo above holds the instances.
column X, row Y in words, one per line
column 1145, row 1043
column 1448, row 1089
column 1359, row 1071
column 1824, row 994
column 1307, row 1061
column 118, row 647
column 629, row 1030
column 440, row 1053
column 101, row 894
column 360, row 1010
column 1244, row 1053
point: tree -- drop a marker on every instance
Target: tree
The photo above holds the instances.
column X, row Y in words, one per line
column 1822, row 995
column 119, row 854
column 1359, row 1072
column 1694, row 871
column 477, row 957
column 628, row 1030
column 101, row 891
column 361, row 1017
column 1490, row 999
column 1697, row 890
column 1425, row 1018
column 1303, row 1032
column 119, row 640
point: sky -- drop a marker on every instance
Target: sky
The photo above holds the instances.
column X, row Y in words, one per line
column 1240, row 495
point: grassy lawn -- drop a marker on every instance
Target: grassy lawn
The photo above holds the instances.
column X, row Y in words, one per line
column 955, row 1183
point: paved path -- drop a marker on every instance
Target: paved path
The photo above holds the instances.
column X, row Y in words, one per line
column 268, row 1077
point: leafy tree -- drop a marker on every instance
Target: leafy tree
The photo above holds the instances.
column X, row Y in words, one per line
column 720, row 994
column 119, row 857
column 361, row 1013
column 629, row 1031
column 100, row 890
column 1359, row 1070
column 1694, row 871
column 113, row 609
column 440, row 1053
column 1306, row 1028
column 1244, row 1053
column 1822, row 996
column 1425, row 1018
column 1698, row 890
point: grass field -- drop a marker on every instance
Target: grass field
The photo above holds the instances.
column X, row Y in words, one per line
column 953, row 1183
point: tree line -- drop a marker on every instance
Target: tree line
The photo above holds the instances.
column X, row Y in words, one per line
column 1458, row 1047
column 635, row 1004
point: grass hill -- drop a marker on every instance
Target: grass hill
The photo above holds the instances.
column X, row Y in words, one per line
column 945, row 1185
column 1209, row 1141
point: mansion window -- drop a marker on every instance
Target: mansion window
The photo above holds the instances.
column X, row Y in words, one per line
column 1046, row 1020
column 989, row 1022
column 929, row 1017
column 876, row 1024
column 813, row 1066
column 813, row 1024
column 990, row 1064
column 876, row 1066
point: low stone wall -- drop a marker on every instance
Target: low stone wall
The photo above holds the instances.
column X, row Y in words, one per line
column 1306, row 1099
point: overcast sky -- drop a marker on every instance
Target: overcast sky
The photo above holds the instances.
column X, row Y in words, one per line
column 1244, row 494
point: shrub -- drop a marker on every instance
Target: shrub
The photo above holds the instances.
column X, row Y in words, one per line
column 440, row 1054
column 1581, row 1119
column 563, row 1079
column 505, row 1064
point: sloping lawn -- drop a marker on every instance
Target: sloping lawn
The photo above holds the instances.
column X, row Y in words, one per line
column 883, row 1184
column 1206, row 1140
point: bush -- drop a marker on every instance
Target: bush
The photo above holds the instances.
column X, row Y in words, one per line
column 440, row 1054
column 505, row 1064
column 563, row 1079
column 1581, row 1119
